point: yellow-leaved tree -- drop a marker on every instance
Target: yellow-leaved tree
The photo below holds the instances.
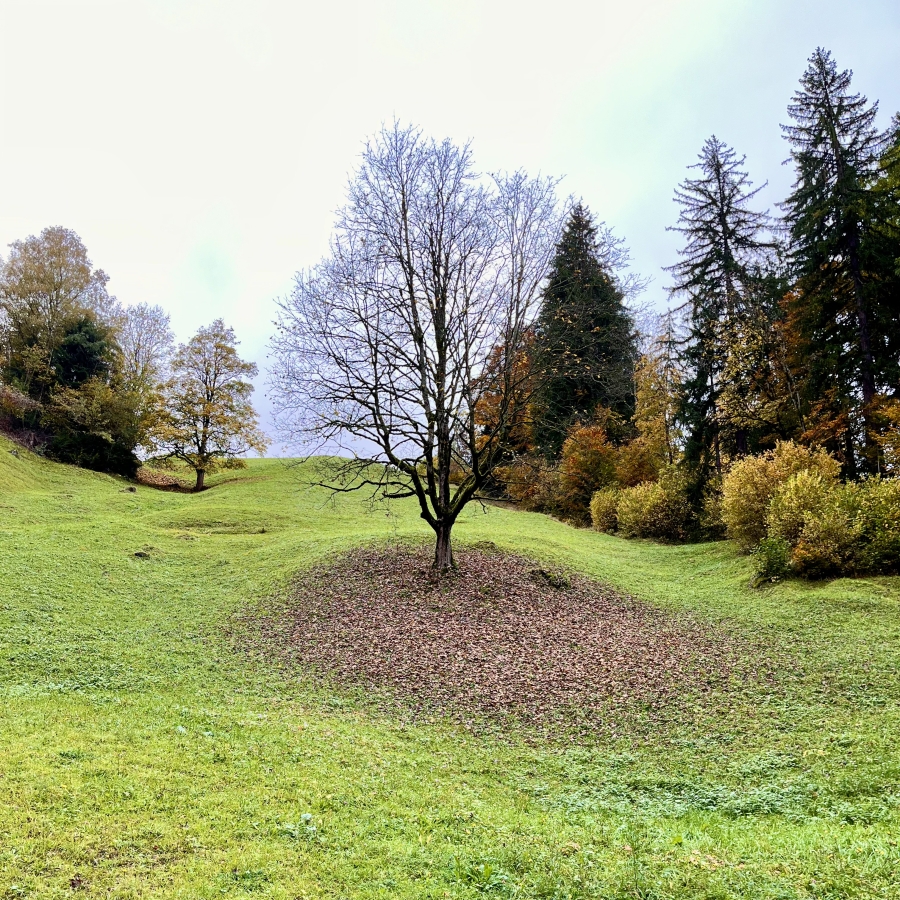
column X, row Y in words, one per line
column 208, row 420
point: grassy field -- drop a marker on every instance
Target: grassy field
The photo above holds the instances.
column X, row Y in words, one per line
column 142, row 756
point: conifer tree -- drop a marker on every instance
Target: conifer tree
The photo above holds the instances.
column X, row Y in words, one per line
column 718, row 274
column 585, row 335
column 837, row 228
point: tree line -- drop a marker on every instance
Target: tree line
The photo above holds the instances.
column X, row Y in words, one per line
column 88, row 381
column 470, row 337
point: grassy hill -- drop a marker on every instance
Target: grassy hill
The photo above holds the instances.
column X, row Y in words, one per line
column 141, row 755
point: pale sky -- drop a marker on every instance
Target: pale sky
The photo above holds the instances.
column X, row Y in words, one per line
column 200, row 147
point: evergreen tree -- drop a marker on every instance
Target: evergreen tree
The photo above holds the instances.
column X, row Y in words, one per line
column 586, row 341
column 839, row 243
column 719, row 274
column 85, row 351
column 883, row 249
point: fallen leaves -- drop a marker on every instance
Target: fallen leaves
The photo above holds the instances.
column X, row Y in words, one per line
column 496, row 637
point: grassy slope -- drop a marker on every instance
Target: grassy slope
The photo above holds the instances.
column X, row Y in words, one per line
column 140, row 757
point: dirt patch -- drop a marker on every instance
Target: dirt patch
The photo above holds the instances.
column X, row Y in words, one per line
column 500, row 637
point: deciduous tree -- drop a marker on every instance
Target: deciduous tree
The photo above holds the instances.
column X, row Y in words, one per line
column 146, row 342
column 208, row 421
column 47, row 281
column 388, row 345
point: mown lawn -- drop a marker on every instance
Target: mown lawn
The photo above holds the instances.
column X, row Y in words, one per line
column 141, row 755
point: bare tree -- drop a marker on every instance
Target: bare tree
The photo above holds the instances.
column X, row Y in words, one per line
column 146, row 340
column 423, row 307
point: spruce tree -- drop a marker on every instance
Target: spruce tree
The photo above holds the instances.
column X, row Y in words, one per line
column 836, row 226
column 586, row 340
column 718, row 275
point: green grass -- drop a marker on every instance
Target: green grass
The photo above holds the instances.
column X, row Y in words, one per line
column 141, row 756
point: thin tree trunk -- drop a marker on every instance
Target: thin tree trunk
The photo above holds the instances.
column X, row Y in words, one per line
column 443, row 549
column 201, row 478
column 866, row 372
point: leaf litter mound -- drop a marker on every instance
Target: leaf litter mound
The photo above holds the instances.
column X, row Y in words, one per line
column 498, row 637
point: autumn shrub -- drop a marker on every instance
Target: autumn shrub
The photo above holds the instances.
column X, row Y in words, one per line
column 519, row 479
column 547, row 490
column 828, row 543
column 817, row 517
column 588, row 463
column 749, row 486
column 532, row 482
column 886, row 415
column 14, row 404
column 658, row 510
column 638, row 461
column 801, row 497
column 603, row 510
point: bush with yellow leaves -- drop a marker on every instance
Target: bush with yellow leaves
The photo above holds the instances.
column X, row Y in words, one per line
column 604, row 517
column 751, row 483
column 658, row 509
column 837, row 529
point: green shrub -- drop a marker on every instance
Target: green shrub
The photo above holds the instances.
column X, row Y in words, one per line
column 712, row 524
column 657, row 510
column 819, row 520
column 603, row 510
column 772, row 559
column 751, row 483
column 878, row 517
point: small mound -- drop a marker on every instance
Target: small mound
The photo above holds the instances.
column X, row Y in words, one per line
column 500, row 636
column 161, row 480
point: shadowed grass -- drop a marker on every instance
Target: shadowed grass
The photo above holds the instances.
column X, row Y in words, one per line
column 140, row 756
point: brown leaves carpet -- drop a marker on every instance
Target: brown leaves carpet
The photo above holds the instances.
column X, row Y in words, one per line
column 498, row 637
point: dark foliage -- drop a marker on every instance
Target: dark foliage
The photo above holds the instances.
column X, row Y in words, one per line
column 93, row 451
column 844, row 245
column 719, row 275
column 585, row 338
column 84, row 352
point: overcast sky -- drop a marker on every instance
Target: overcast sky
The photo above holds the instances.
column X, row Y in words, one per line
column 200, row 148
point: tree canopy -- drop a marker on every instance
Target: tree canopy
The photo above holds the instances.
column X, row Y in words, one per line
column 208, row 421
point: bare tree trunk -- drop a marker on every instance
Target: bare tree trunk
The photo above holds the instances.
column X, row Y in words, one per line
column 443, row 549
column 201, row 478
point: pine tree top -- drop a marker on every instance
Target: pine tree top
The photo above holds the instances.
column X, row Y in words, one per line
column 837, row 150
column 829, row 120
column 725, row 237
